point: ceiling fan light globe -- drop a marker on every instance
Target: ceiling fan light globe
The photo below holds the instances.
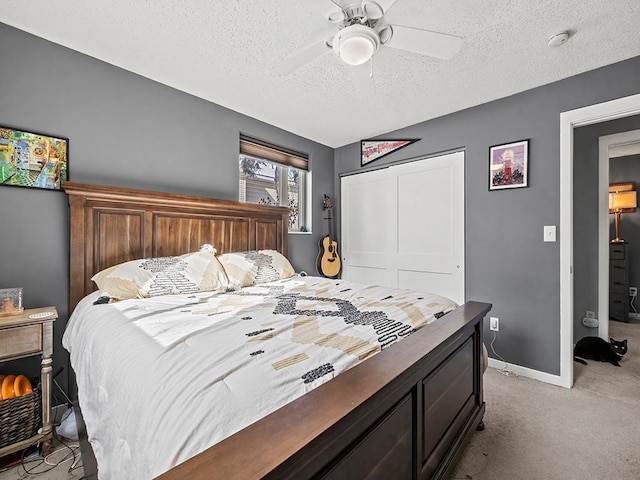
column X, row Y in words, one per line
column 356, row 44
column 356, row 50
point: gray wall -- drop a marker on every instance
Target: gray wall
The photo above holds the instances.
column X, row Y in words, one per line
column 507, row 262
column 123, row 130
column 585, row 216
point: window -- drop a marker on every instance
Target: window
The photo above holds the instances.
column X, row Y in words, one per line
column 271, row 175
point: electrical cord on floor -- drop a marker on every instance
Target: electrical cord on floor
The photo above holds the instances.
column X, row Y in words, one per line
column 633, row 299
column 38, row 464
column 69, row 404
column 29, row 468
column 504, row 370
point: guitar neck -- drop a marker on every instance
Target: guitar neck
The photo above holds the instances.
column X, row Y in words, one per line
column 330, row 225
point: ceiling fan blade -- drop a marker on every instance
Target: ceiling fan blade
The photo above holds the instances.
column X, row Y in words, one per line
column 328, row 9
column 424, row 42
column 303, row 57
column 385, row 5
column 363, row 79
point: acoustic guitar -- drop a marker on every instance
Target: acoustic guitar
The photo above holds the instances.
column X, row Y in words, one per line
column 328, row 263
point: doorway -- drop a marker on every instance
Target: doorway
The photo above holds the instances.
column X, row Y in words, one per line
column 610, row 146
column 569, row 120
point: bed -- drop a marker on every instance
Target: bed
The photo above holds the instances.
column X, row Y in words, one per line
column 405, row 412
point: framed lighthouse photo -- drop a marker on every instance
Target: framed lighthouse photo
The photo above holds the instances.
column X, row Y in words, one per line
column 508, row 165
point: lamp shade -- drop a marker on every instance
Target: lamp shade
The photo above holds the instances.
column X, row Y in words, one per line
column 622, row 200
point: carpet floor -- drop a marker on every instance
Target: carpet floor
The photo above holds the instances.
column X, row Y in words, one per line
column 537, row 431
column 59, row 465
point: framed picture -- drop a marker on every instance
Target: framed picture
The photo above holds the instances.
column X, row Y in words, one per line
column 33, row 160
column 10, row 301
column 371, row 150
column 508, row 165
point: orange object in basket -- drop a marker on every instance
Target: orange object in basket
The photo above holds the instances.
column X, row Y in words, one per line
column 7, row 387
column 21, row 386
column 1, row 379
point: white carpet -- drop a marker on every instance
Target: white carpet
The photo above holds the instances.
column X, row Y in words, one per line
column 536, row 431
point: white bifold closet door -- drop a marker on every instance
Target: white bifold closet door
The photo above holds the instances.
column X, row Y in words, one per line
column 403, row 226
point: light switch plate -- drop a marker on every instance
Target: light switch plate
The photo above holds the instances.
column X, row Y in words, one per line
column 549, row 233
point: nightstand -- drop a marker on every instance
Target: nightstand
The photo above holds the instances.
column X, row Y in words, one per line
column 619, row 281
column 25, row 335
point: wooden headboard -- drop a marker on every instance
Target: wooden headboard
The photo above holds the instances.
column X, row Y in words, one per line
column 111, row 225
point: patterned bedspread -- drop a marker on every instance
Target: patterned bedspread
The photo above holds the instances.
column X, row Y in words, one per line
column 164, row 378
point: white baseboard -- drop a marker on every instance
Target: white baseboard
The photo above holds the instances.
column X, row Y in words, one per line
column 527, row 372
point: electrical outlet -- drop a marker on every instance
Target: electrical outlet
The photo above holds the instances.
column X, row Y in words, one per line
column 494, row 323
column 590, row 314
column 633, row 291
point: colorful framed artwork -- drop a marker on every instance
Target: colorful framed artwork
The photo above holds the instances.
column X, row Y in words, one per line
column 508, row 165
column 371, row 150
column 33, row 160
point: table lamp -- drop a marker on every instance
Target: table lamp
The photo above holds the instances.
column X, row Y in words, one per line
column 618, row 201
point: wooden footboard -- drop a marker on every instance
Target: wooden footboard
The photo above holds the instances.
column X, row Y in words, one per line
column 405, row 413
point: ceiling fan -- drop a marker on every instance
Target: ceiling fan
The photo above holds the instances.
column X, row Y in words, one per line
column 361, row 30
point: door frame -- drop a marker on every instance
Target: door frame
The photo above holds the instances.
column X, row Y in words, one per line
column 605, row 143
column 601, row 112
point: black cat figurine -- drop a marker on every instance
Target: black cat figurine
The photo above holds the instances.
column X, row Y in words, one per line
column 595, row 348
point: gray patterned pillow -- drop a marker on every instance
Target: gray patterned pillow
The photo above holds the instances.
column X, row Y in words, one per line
column 149, row 277
column 255, row 267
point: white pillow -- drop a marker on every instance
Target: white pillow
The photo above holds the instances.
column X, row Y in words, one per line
column 255, row 267
column 149, row 277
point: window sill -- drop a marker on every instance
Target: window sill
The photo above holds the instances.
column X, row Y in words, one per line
column 295, row 232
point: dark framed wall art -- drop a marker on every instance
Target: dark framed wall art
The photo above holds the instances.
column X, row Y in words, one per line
column 34, row 160
column 508, row 165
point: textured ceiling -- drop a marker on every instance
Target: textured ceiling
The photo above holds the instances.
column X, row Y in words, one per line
column 228, row 52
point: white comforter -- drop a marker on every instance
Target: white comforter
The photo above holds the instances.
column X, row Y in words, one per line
column 164, row 378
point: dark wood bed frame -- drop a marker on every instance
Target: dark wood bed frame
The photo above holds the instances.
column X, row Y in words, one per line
column 404, row 413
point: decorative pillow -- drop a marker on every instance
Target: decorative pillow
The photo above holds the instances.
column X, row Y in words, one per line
column 148, row 277
column 255, row 267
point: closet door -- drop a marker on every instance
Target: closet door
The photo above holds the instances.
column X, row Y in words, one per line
column 403, row 226
column 430, row 225
column 368, row 203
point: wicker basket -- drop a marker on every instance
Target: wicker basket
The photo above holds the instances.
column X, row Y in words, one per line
column 20, row 418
